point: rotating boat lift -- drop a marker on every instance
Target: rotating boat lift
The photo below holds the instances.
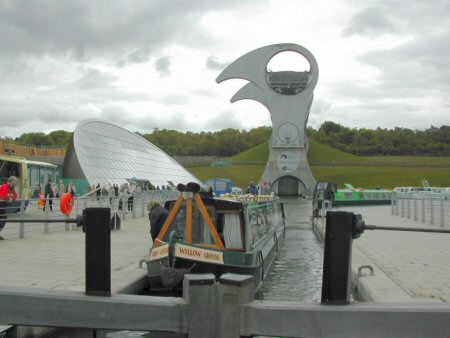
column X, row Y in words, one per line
column 288, row 96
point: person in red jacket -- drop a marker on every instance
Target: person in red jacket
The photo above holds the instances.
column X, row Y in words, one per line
column 8, row 193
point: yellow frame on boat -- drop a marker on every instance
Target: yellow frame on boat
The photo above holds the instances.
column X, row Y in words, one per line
column 190, row 200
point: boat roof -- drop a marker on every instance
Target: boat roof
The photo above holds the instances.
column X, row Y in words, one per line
column 364, row 190
column 15, row 159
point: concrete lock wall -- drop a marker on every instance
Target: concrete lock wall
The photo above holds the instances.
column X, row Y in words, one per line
column 223, row 308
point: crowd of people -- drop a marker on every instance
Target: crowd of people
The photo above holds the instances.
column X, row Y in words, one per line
column 52, row 190
column 157, row 213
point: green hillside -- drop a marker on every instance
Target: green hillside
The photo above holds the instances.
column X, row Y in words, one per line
column 329, row 164
column 258, row 154
column 317, row 153
column 323, row 154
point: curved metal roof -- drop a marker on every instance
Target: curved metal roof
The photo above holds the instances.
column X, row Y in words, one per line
column 105, row 153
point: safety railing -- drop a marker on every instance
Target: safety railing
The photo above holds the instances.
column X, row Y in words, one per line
column 123, row 207
column 430, row 208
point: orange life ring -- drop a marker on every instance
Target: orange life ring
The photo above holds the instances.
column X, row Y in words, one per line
column 67, row 202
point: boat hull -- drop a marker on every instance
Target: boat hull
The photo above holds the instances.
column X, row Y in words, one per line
column 339, row 203
column 168, row 271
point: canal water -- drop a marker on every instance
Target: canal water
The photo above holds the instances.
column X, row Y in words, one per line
column 297, row 272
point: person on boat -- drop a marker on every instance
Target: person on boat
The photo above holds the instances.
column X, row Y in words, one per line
column 252, row 189
column 157, row 216
column 8, row 194
column 211, row 191
column 265, row 187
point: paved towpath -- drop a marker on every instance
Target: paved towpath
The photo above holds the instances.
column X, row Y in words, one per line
column 408, row 266
column 56, row 260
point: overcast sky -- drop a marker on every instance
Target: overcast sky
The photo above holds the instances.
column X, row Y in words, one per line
column 153, row 63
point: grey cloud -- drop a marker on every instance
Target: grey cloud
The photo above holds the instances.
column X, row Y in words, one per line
column 164, row 121
column 94, row 79
column 41, row 113
column 177, row 121
column 205, row 92
column 15, row 116
column 162, row 66
column 35, row 101
column 419, row 66
column 85, row 29
column 383, row 112
column 404, row 17
column 175, row 99
column 320, row 112
column 414, row 71
column 425, row 50
column 350, row 90
column 116, row 115
column 320, row 107
column 213, row 63
column 226, row 119
column 371, row 21
column 138, row 56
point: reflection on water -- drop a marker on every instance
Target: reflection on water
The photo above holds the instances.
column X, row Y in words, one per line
column 297, row 272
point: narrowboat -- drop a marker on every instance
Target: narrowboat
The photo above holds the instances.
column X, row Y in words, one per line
column 424, row 191
column 328, row 192
column 204, row 234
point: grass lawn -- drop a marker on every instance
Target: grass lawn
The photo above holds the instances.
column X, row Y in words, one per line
column 330, row 164
column 383, row 176
column 359, row 176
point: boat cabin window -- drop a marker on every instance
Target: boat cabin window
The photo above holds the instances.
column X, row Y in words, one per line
column 230, row 229
column 200, row 230
column 227, row 219
column 201, row 233
column 262, row 218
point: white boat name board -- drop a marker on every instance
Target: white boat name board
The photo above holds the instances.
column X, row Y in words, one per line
column 159, row 252
column 198, row 254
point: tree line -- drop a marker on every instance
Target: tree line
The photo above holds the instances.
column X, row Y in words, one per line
column 434, row 141
column 57, row 138
column 223, row 143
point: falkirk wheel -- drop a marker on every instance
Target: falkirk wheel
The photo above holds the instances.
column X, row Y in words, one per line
column 288, row 96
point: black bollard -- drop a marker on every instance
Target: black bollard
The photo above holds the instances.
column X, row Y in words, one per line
column 98, row 251
column 337, row 258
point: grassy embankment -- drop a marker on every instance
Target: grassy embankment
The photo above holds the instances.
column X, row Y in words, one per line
column 329, row 164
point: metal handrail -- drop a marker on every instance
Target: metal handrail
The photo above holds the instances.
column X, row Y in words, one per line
column 137, row 208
